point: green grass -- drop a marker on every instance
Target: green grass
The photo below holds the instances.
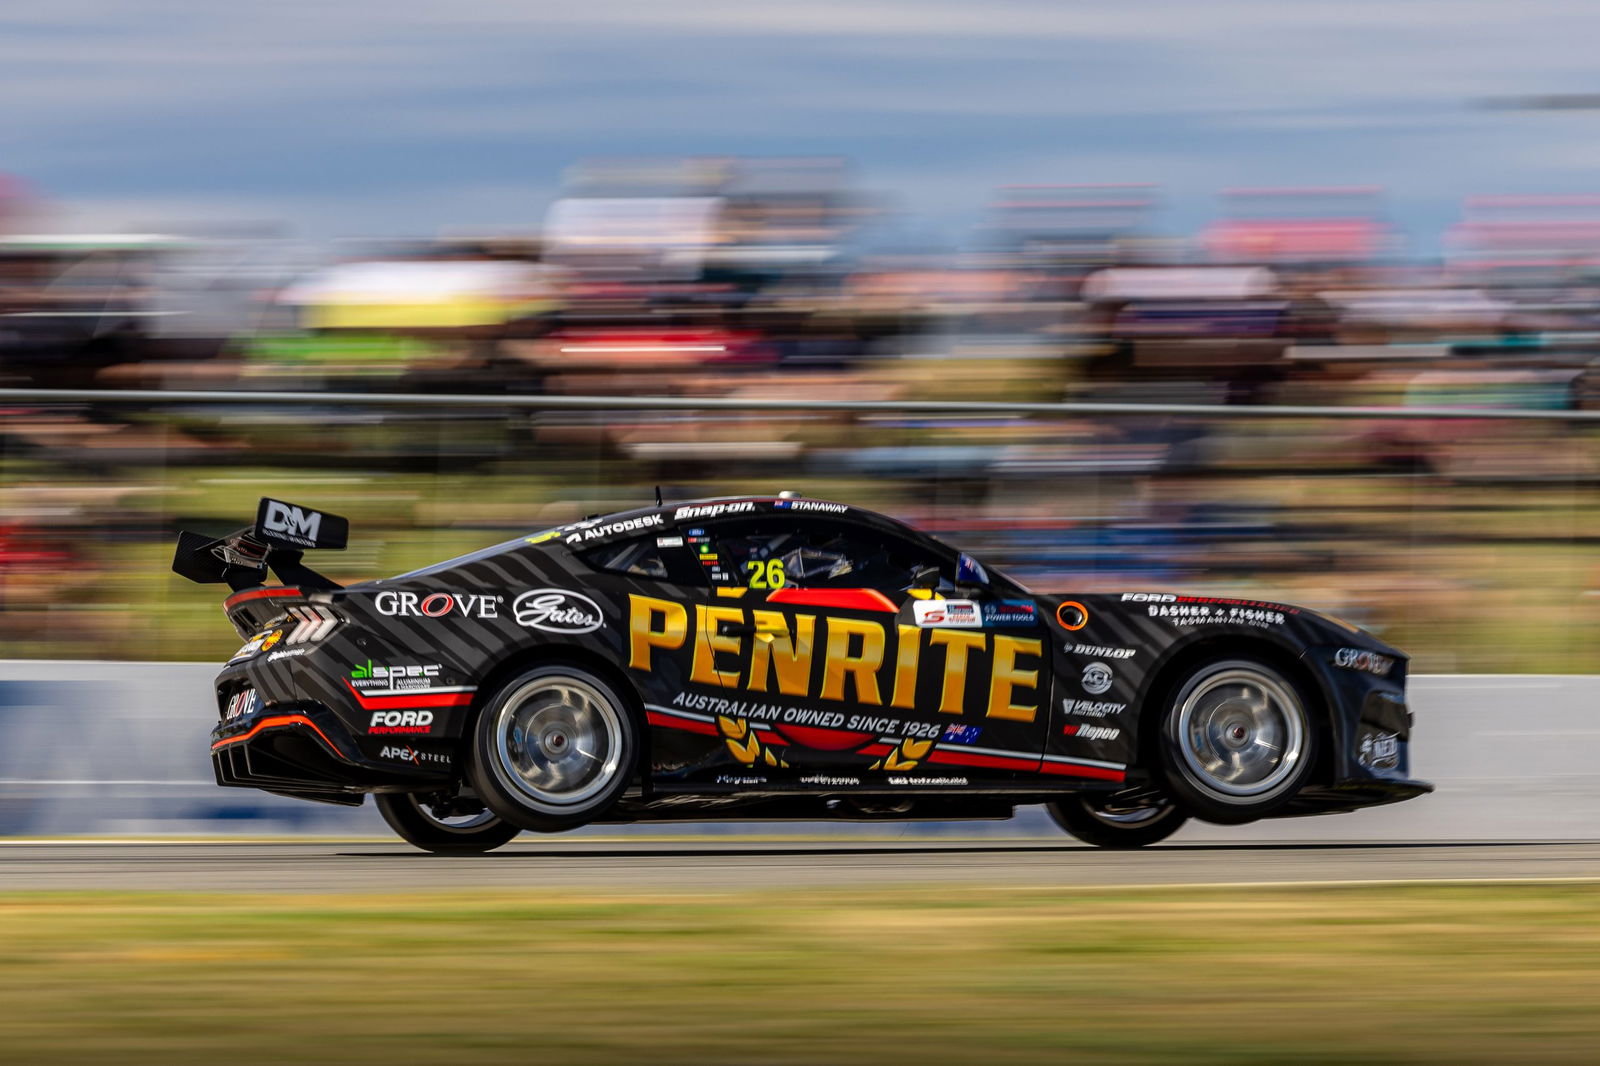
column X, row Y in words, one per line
column 1413, row 974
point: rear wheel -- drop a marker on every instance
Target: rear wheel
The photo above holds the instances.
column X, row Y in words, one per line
column 444, row 824
column 1238, row 741
column 1117, row 821
column 553, row 749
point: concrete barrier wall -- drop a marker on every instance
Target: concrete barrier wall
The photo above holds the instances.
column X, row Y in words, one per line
column 121, row 748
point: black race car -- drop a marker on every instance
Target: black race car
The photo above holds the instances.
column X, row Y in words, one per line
column 774, row 657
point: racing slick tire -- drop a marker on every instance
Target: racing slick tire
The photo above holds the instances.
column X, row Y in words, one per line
column 420, row 823
column 1238, row 741
column 553, row 749
column 1094, row 820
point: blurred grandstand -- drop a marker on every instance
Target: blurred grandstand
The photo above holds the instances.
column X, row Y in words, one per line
column 1473, row 543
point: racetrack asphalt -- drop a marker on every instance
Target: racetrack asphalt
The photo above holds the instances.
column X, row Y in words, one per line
column 642, row 866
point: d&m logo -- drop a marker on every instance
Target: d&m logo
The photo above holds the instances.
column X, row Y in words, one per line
column 291, row 521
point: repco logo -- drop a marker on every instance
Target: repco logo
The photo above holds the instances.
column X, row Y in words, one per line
column 291, row 521
column 436, row 604
column 401, row 722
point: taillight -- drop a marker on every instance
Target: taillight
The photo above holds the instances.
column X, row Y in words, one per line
column 313, row 622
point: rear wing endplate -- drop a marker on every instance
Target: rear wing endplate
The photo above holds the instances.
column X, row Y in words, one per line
column 241, row 559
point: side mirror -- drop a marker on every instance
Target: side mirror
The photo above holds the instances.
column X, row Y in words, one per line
column 925, row 577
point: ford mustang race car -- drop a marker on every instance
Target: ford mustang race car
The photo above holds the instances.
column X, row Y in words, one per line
column 775, row 657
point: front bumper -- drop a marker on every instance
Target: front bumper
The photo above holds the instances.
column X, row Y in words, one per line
column 1370, row 733
column 1354, row 795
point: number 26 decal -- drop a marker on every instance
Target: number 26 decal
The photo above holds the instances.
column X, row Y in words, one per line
column 765, row 575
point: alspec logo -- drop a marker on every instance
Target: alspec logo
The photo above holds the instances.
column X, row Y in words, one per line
column 401, row 722
column 375, row 673
column 557, row 611
column 437, row 604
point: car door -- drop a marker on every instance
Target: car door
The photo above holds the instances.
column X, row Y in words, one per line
column 839, row 676
column 987, row 673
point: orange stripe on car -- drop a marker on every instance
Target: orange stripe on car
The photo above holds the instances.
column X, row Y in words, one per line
column 278, row 722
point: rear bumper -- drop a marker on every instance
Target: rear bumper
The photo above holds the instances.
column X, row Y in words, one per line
column 307, row 752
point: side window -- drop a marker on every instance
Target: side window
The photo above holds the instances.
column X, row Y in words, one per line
column 660, row 558
column 780, row 553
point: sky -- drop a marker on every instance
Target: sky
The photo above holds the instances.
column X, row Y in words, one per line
column 341, row 117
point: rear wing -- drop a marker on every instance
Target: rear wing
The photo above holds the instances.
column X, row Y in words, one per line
column 241, row 559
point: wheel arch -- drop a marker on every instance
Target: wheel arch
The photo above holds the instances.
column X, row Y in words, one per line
column 537, row 655
column 1183, row 657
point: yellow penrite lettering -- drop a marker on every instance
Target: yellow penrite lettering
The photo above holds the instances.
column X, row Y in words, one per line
column 957, row 643
column 908, row 650
column 838, row 662
column 643, row 633
column 1005, row 677
column 788, row 654
column 709, row 639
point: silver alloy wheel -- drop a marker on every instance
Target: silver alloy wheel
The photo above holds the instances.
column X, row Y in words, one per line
column 455, row 823
column 557, row 743
column 1242, row 732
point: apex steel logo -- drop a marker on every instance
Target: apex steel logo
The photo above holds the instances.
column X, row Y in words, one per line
column 408, row 754
column 557, row 611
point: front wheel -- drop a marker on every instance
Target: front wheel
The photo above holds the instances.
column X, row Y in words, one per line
column 443, row 824
column 1238, row 741
column 1109, row 822
column 554, row 748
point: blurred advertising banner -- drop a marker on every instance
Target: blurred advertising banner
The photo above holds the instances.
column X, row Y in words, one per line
column 122, row 749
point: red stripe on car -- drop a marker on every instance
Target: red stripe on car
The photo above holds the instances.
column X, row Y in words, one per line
column 844, row 599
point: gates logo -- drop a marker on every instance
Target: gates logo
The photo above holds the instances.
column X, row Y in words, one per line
column 558, row 611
